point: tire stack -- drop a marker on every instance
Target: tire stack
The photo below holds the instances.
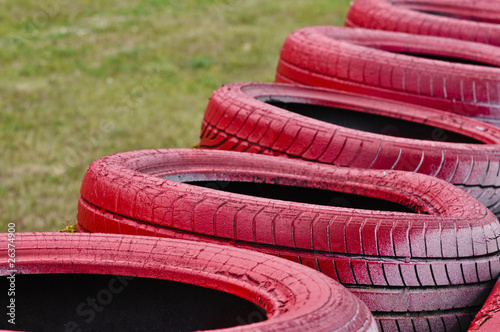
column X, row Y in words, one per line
column 389, row 180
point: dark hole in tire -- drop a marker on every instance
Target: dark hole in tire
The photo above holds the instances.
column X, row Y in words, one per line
column 447, row 59
column 304, row 195
column 60, row 302
column 439, row 12
column 457, row 16
column 372, row 123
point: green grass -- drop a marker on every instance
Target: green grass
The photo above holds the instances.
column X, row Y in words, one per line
column 83, row 79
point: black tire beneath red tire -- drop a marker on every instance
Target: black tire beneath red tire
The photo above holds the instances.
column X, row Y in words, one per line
column 438, row 264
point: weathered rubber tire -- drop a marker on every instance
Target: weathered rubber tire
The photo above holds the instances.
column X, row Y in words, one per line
column 293, row 296
column 238, row 118
column 488, row 318
column 472, row 20
column 370, row 62
column 406, row 267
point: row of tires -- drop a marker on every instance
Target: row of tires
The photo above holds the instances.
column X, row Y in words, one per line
column 433, row 248
column 390, row 185
column 435, row 53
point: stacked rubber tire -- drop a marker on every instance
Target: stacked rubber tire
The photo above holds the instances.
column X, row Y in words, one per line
column 428, row 260
column 475, row 21
column 353, row 130
column 455, row 76
column 292, row 296
column 374, row 159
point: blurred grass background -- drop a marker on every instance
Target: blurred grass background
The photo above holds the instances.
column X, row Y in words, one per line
column 83, row 79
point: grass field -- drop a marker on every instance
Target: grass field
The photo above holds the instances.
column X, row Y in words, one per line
column 83, row 79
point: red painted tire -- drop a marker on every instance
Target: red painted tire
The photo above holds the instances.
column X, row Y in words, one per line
column 437, row 265
column 396, row 66
column 472, row 20
column 488, row 318
column 293, row 296
column 241, row 117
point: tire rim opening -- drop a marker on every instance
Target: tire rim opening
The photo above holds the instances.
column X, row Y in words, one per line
column 450, row 15
column 303, row 195
column 456, row 16
column 445, row 58
column 115, row 303
column 431, row 9
column 373, row 123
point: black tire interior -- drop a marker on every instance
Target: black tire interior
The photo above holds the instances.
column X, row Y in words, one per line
column 60, row 302
column 304, row 195
column 372, row 123
column 446, row 58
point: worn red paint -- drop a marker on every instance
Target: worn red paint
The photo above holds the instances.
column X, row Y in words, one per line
column 488, row 319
